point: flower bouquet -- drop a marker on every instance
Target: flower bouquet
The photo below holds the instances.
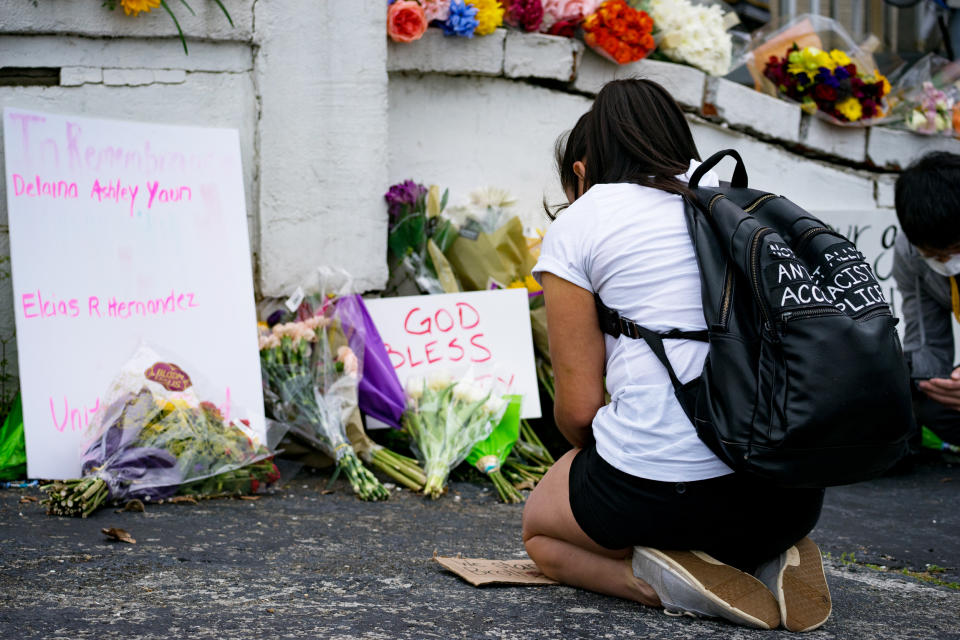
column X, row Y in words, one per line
column 419, row 235
column 813, row 61
column 694, row 33
column 445, row 418
column 925, row 98
column 310, row 379
column 491, row 453
column 618, row 32
column 155, row 438
column 407, row 20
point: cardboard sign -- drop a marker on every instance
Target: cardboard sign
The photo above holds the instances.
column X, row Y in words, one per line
column 124, row 233
column 479, row 572
column 483, row 333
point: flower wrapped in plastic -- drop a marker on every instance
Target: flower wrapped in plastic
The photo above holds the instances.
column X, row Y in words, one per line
column 618, row 32
column 445, row 418
column 490, row 454
column 155, row 438
column 925, row 97
column 419, row 235
column 695, row 33
column 813, row 61
column 311, row 377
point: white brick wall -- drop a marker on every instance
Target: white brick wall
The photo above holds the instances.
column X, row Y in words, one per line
column 684, row 83
column 741, row 106
column 895, row 149
column 437, row 53
column 819, row 136
column 540, row 56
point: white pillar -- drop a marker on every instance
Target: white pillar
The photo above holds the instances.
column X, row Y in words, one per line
column 322, row 77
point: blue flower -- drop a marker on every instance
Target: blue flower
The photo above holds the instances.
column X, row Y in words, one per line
column 462, row 20
column 840, row 73
column 824, row 76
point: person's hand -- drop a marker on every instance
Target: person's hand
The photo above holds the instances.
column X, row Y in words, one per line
column 946, row 391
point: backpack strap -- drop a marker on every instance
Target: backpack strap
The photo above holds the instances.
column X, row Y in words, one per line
column 612, row 323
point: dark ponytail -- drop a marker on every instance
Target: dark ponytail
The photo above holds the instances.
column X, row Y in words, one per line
column 637, row 133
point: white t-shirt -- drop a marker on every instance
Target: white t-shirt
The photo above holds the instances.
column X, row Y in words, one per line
column 630, row 243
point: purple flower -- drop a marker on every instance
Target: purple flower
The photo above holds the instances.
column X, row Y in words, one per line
column 403, row 196
column 841, row 73
column 824, row 76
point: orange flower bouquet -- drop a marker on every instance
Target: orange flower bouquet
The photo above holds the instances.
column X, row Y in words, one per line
column 619, row 32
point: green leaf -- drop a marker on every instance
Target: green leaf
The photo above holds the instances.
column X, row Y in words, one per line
column 183, row 40
column 225, row 12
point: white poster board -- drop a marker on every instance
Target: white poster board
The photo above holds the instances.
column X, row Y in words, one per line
column 124, row 234
column 481, row 332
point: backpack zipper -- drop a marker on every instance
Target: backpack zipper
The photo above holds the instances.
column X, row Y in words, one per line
column 756, row 203
column 806, row 237
column 755, row 273
column 727, row 296
column 713, row 201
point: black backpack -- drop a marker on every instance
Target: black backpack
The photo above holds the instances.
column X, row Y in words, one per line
column 805, row 383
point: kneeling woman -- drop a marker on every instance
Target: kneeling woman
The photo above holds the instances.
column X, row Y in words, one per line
column 641, row 508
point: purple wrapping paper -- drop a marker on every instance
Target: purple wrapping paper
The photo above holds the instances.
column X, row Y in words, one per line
column 380, row 392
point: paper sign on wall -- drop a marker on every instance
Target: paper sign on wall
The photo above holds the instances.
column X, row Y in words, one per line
column 124, row 233
column 482, row 332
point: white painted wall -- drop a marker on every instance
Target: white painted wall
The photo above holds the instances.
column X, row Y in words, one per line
column 464, row 133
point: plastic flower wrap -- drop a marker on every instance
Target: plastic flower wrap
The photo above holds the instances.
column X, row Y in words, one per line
column 154, row 438
column 926, row 97
column 619, row 32
column 694, row 33
column 812, row 60
column 490, row 454
column 934, row 112
column 406, row 21
column 311, row 377
column 419, row 235
column 445, row 418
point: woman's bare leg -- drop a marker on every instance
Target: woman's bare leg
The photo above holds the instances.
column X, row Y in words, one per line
column 565, row 553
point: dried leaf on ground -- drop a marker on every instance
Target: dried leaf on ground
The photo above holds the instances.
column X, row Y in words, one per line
column 120, row 535
column 134, row 505
column 249, row 497
column 183, row 499
column 25, row 499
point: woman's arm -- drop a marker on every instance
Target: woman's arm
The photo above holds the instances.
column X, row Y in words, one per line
column 578, row 355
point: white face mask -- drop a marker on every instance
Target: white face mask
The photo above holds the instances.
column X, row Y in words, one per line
column 949, row 268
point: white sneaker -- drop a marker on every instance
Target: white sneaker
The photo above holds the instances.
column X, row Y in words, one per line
column 693, row 582
column 797, row 580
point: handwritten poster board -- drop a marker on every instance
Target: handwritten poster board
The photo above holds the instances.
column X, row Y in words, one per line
column 481, row 332
column 124, row 234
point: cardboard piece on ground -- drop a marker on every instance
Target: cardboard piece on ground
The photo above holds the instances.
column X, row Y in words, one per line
column 479, row 571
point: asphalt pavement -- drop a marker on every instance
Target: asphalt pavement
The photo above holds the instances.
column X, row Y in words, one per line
column 303, row 564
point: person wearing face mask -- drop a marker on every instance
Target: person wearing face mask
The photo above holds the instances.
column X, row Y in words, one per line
column 926, row 267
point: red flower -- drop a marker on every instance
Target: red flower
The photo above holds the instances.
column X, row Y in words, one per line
column 825, row 93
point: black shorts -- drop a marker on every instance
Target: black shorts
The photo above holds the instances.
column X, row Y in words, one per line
column 735, row 518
